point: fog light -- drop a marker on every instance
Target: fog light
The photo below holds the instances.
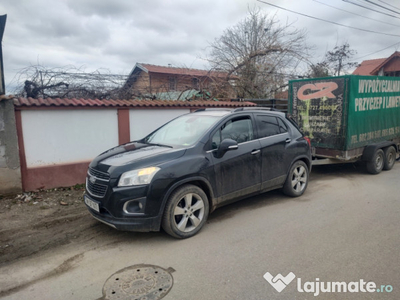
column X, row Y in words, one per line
column 133, row 207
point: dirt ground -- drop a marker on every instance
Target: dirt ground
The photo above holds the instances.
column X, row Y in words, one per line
column 34, row 222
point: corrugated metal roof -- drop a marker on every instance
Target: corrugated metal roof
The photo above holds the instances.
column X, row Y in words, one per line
column 177, row 95
column 57, row 102
column 367, row 66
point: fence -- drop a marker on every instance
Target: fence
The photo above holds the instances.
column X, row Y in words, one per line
column 58, row 138
column 278, row 104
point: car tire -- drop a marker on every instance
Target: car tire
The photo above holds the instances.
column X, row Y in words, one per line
column 297, row 180
column 186, row 212
column 375, row 165
column 390, row 157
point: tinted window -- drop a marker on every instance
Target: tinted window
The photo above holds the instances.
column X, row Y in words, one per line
column 216, row 140
column 267, row 126
column 239, row 130
column 282, row 126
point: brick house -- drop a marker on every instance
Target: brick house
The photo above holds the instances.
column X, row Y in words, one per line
column 381, row 67
column 147, row 79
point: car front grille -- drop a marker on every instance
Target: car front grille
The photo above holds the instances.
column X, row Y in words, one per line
column 96, row 189
column 93, row 186
column 98, row 174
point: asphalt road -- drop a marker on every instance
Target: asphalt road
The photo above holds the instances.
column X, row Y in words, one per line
column 344, row 229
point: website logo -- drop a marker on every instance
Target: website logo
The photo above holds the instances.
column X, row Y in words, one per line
column 279, row 282
column 319, row 287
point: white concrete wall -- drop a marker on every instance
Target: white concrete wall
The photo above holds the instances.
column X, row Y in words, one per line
column 144, row 121
column 67, row 136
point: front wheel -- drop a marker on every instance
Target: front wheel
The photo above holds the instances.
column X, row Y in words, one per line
column 185, row 212
column 297, row 180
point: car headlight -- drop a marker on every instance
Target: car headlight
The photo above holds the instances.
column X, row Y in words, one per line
column 138, row 177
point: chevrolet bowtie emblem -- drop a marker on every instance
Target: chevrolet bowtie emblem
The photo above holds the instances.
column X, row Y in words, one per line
column 92, row 179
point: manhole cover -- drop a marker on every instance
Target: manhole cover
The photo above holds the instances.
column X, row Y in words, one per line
column 139, row 282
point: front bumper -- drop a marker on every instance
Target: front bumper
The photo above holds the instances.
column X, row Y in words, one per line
column 135, row 222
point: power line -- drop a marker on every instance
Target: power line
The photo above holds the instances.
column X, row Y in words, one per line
column 381, row 6
column 398, row 43
column 389, row 4
column 371, row 9
column 335, row 23
column 355, row 13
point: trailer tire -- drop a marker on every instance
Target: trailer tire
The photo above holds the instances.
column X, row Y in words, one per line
column 390, row 158
column 375, row 165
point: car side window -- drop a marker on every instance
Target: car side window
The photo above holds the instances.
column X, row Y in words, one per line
column 268, row 126
column 239, row 130
column 216, row 140
column 282, row 126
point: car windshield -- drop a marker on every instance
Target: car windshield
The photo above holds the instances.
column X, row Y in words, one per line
column 182, row 131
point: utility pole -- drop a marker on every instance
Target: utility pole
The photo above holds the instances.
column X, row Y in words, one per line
column 2, row 26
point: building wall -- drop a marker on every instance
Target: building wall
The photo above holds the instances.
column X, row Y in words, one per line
column 144, row 121
column 393, row 65
column 158, row 83
column 10, row 174
column 142, row 83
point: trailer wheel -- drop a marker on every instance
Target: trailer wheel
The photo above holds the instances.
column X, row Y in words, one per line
column 375, row 165
column 390, row 158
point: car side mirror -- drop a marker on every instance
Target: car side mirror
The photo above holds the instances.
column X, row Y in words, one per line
column 225, row 146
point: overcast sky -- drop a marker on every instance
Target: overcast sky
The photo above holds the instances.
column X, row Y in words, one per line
column 116, row 34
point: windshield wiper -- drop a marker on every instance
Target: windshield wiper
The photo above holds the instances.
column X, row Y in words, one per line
column 159, row 145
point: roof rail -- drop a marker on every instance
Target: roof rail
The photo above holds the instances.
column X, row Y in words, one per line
column 213, row 109
column 252, row 108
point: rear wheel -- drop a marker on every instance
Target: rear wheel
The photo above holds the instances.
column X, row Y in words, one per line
column 297, row 180
column 375, row 165
column 185, row 212
column 390, row 158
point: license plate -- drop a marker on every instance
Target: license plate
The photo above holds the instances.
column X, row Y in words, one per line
column 92, row 204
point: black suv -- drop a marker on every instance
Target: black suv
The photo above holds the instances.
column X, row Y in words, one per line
column 178, row 174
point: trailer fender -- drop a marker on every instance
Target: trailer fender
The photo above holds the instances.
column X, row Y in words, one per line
column 370, row 150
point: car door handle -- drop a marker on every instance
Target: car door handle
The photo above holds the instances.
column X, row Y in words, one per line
column 288, row 140
column 255, row 151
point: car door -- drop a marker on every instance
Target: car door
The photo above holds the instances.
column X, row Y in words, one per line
column 237, row 172
column 274, row 138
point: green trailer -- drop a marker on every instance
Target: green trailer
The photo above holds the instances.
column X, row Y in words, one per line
column 349, row 118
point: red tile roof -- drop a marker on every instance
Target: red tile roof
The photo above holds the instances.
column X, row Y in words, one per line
column 367, row 66
column 57, row 102
column 180, row 71
column 385, row 61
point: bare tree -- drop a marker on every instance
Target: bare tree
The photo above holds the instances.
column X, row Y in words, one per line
column 318, row 70
column 260, row 53
column 339, row 59
column 69, row 82
column 335, row 62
